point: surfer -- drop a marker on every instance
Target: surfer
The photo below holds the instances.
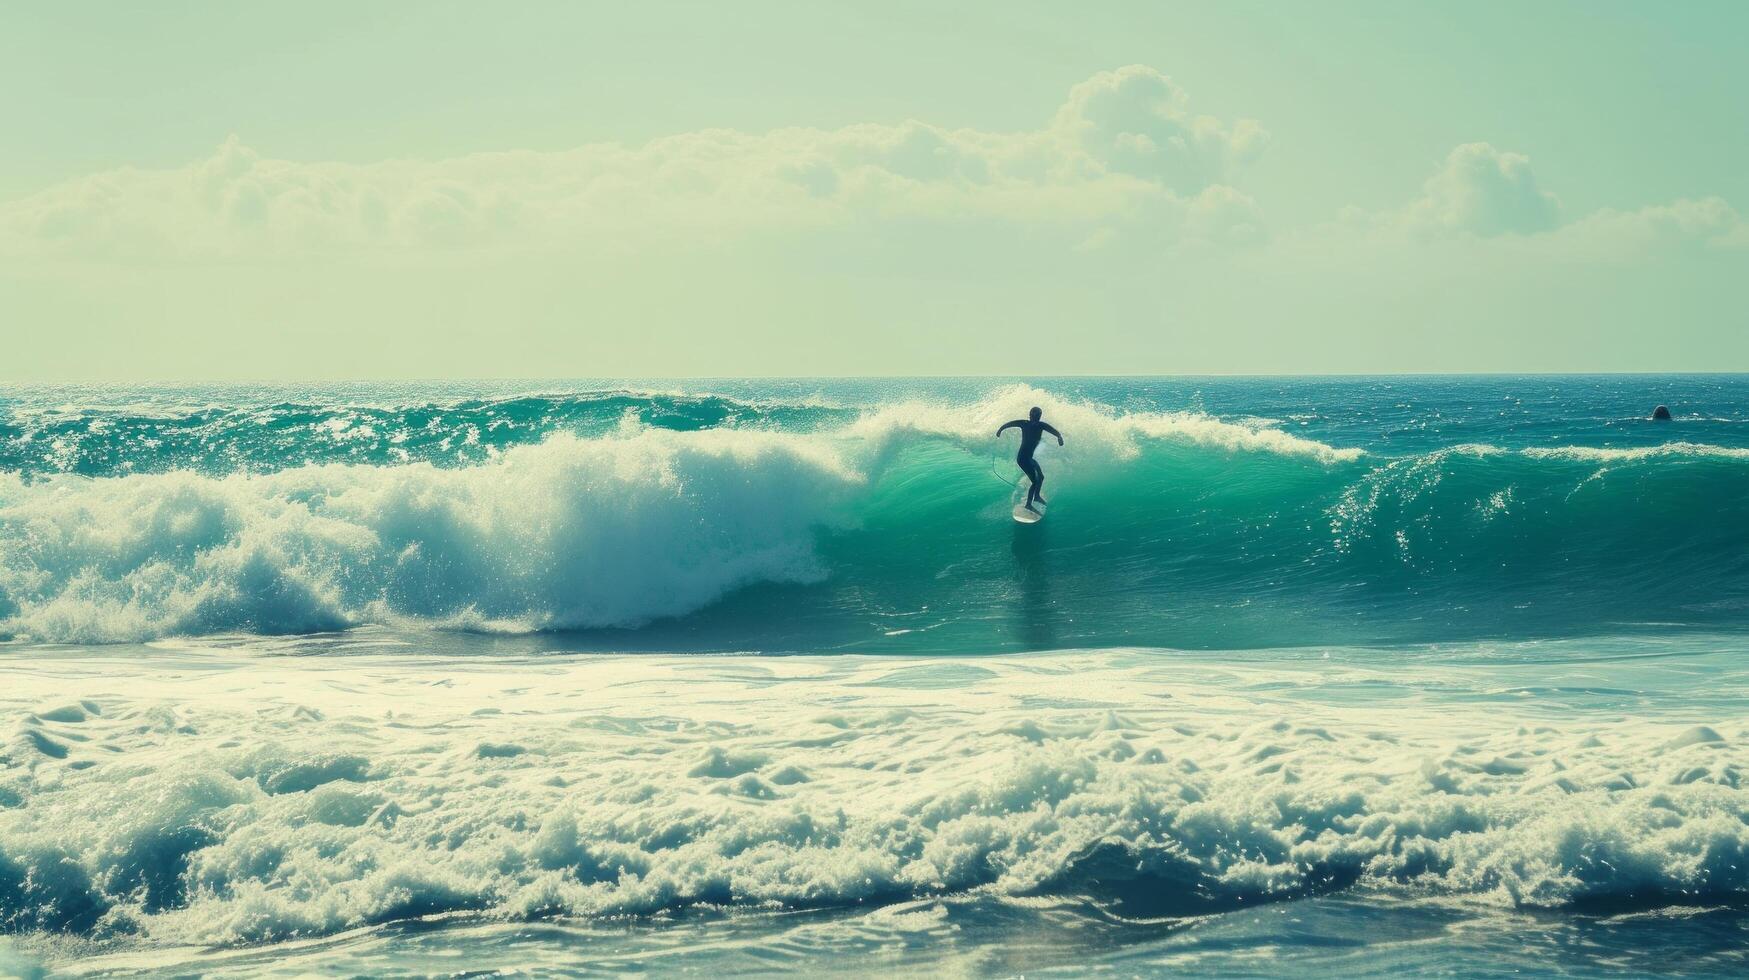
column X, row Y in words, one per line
column 1031, row 429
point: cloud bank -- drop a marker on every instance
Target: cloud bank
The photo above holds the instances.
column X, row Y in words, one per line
column 1124, row 156
column 1124, row 162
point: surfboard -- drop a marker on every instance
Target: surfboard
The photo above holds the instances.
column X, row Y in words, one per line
column 1024, row 516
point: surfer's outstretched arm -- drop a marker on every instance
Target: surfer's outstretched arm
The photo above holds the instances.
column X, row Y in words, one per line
column 1047, row 427
column 1010, row 425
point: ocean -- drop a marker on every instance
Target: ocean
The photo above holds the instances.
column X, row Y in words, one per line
column 1354, row 676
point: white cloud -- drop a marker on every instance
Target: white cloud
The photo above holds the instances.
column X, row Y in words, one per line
column 1478, row 191
column 1123, row 160
column 1136, row 121
column 1481, row 194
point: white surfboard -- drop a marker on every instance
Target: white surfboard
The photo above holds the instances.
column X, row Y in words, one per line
column 1033, row 516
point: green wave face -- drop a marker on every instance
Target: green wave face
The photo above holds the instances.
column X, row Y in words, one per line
column 1184, row 546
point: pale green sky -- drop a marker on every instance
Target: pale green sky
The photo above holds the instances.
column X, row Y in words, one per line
column 396, row 189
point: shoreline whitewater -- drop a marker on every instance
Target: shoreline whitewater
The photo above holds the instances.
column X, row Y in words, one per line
column 1429, row 805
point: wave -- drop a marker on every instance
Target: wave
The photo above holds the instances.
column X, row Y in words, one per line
column 888, row 530
column 615, row 788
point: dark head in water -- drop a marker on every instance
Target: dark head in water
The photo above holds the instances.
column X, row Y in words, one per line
column 1035, row 413
column 1661, row 413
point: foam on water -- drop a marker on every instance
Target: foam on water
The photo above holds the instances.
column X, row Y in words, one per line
column 237, row 800
column 573, row 532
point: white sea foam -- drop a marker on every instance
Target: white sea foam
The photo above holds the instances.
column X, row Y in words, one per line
column 210, row 798
column 573, row 532
column 1668, row 450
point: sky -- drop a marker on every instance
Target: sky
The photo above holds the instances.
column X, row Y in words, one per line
column 210, row 191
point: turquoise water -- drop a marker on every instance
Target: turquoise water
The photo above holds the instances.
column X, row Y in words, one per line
column 1353, row 676
column 858, row 516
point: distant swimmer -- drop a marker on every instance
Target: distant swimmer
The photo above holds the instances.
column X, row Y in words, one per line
column 1661, row 413
column 1031, row 429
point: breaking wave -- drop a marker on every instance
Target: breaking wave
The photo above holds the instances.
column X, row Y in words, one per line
column 702, row 522
column 328, row 800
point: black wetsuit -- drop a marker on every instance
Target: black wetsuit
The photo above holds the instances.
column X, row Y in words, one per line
column 1030, row 433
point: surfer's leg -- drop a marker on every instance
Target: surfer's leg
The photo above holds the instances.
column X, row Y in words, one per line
column 1038, row 483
